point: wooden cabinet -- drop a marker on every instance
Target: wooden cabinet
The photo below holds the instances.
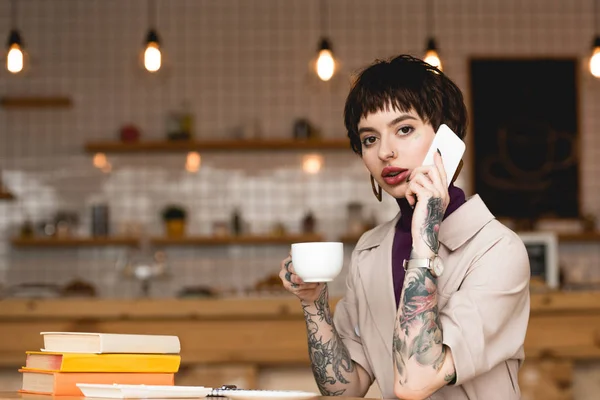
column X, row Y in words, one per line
column 249, row 333
column 261, row 330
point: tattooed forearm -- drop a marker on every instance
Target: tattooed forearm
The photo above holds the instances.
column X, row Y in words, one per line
column 418, row 332
column 326, row 350
column 431, row 226
column 399, row 352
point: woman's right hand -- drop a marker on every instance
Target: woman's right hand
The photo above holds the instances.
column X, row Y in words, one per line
column 308, row 293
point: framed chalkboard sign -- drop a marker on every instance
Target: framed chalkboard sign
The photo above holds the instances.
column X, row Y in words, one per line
column 542, row 249
column 524, row 124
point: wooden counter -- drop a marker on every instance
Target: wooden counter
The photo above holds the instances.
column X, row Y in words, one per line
column 24, row 396
column 260, row 331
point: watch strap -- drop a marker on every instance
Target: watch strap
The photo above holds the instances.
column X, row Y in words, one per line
column 416, row 263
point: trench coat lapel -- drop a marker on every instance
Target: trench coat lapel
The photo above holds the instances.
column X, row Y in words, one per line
column 375, row 270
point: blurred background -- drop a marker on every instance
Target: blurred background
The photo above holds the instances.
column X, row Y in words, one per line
column 174, row 149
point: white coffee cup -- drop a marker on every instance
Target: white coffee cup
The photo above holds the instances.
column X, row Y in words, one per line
column 318, row 261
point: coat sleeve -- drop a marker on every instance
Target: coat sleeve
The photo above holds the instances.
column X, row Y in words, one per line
column 345, row 320
column 484, row 323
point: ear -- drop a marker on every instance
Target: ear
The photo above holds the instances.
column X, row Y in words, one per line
column 460, row 165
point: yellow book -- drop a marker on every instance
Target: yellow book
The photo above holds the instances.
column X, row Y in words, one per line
column 89, row 362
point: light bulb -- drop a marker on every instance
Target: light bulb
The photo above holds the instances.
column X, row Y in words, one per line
column 432, row 58
column 431, row 55
column 312, row 163
column 595, row 62
column 325, row 65
column 14, row 59
column 100, row 160
column 152, row 57
column 193, row 161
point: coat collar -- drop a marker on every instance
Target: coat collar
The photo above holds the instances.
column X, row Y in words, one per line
column 375, row 259
column 455, row 230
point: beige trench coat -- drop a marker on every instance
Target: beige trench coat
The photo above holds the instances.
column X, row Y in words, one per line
column 483, row 298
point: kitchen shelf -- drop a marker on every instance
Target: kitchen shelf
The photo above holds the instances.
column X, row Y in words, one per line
column 4, row 195
column 579, row 237
column 75, row 242
column 349, row 239
column 235, row 240
column 167, row 241
column 175, row 146
column 36, row 102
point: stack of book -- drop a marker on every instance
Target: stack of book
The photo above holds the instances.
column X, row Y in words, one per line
column 69, row 358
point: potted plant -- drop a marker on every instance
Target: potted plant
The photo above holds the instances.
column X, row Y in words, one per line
column 174, row 218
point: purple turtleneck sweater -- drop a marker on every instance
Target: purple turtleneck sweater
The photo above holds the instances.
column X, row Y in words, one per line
column 403, row 238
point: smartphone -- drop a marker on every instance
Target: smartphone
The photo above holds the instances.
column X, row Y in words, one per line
column 451, row 147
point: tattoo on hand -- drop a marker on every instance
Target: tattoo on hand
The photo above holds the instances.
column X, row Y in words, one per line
column 431, row 226
column 326, row 355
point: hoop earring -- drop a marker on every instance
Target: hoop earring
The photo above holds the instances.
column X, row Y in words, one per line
column 376, row 192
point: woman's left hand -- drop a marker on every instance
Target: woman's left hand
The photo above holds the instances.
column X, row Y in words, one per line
column 428, row 193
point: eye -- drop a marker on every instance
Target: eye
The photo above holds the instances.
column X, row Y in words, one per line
column 369, row 141
column 405, row 130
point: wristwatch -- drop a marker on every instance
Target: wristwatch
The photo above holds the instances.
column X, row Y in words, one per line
column 434, row 265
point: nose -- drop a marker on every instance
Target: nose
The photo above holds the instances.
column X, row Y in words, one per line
column 386, row 152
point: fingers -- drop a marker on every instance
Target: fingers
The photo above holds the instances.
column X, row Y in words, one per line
column 429, row 181
column 413, row 192
column 287, row 274
column 431, row 171
column 426, row 182
column 293, row 283
column 287, row 279
column 287, row 264
column 437, row 159
column 290, row 280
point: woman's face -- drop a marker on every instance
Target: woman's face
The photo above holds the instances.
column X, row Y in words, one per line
column 393, row 144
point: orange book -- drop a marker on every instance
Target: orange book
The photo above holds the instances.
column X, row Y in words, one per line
column 64, row 383
column 88, row 362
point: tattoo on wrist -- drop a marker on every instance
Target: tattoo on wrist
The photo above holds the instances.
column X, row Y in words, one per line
column 431, row 226
column 330, row 355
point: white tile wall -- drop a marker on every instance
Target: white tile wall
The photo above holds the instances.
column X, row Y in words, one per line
column 235, row 61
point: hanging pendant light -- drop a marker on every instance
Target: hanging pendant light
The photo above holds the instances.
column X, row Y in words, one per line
column 15, row 59
column 325, row 61
column 595, row 58
column 152, row 53
column 431, row 52
column 431, row 55
column 325, row 65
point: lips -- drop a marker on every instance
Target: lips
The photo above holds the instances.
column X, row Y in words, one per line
column 394, row 175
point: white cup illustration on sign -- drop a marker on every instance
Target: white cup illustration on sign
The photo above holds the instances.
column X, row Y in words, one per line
column 318, row 261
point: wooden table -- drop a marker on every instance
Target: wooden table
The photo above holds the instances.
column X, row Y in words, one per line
column 16, row 395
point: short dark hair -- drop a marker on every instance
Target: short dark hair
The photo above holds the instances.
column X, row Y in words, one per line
column 405, row 83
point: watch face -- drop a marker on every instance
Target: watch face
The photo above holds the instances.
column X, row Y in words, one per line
column 438, row 266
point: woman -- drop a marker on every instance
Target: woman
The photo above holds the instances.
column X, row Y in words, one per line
column 437, row 300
